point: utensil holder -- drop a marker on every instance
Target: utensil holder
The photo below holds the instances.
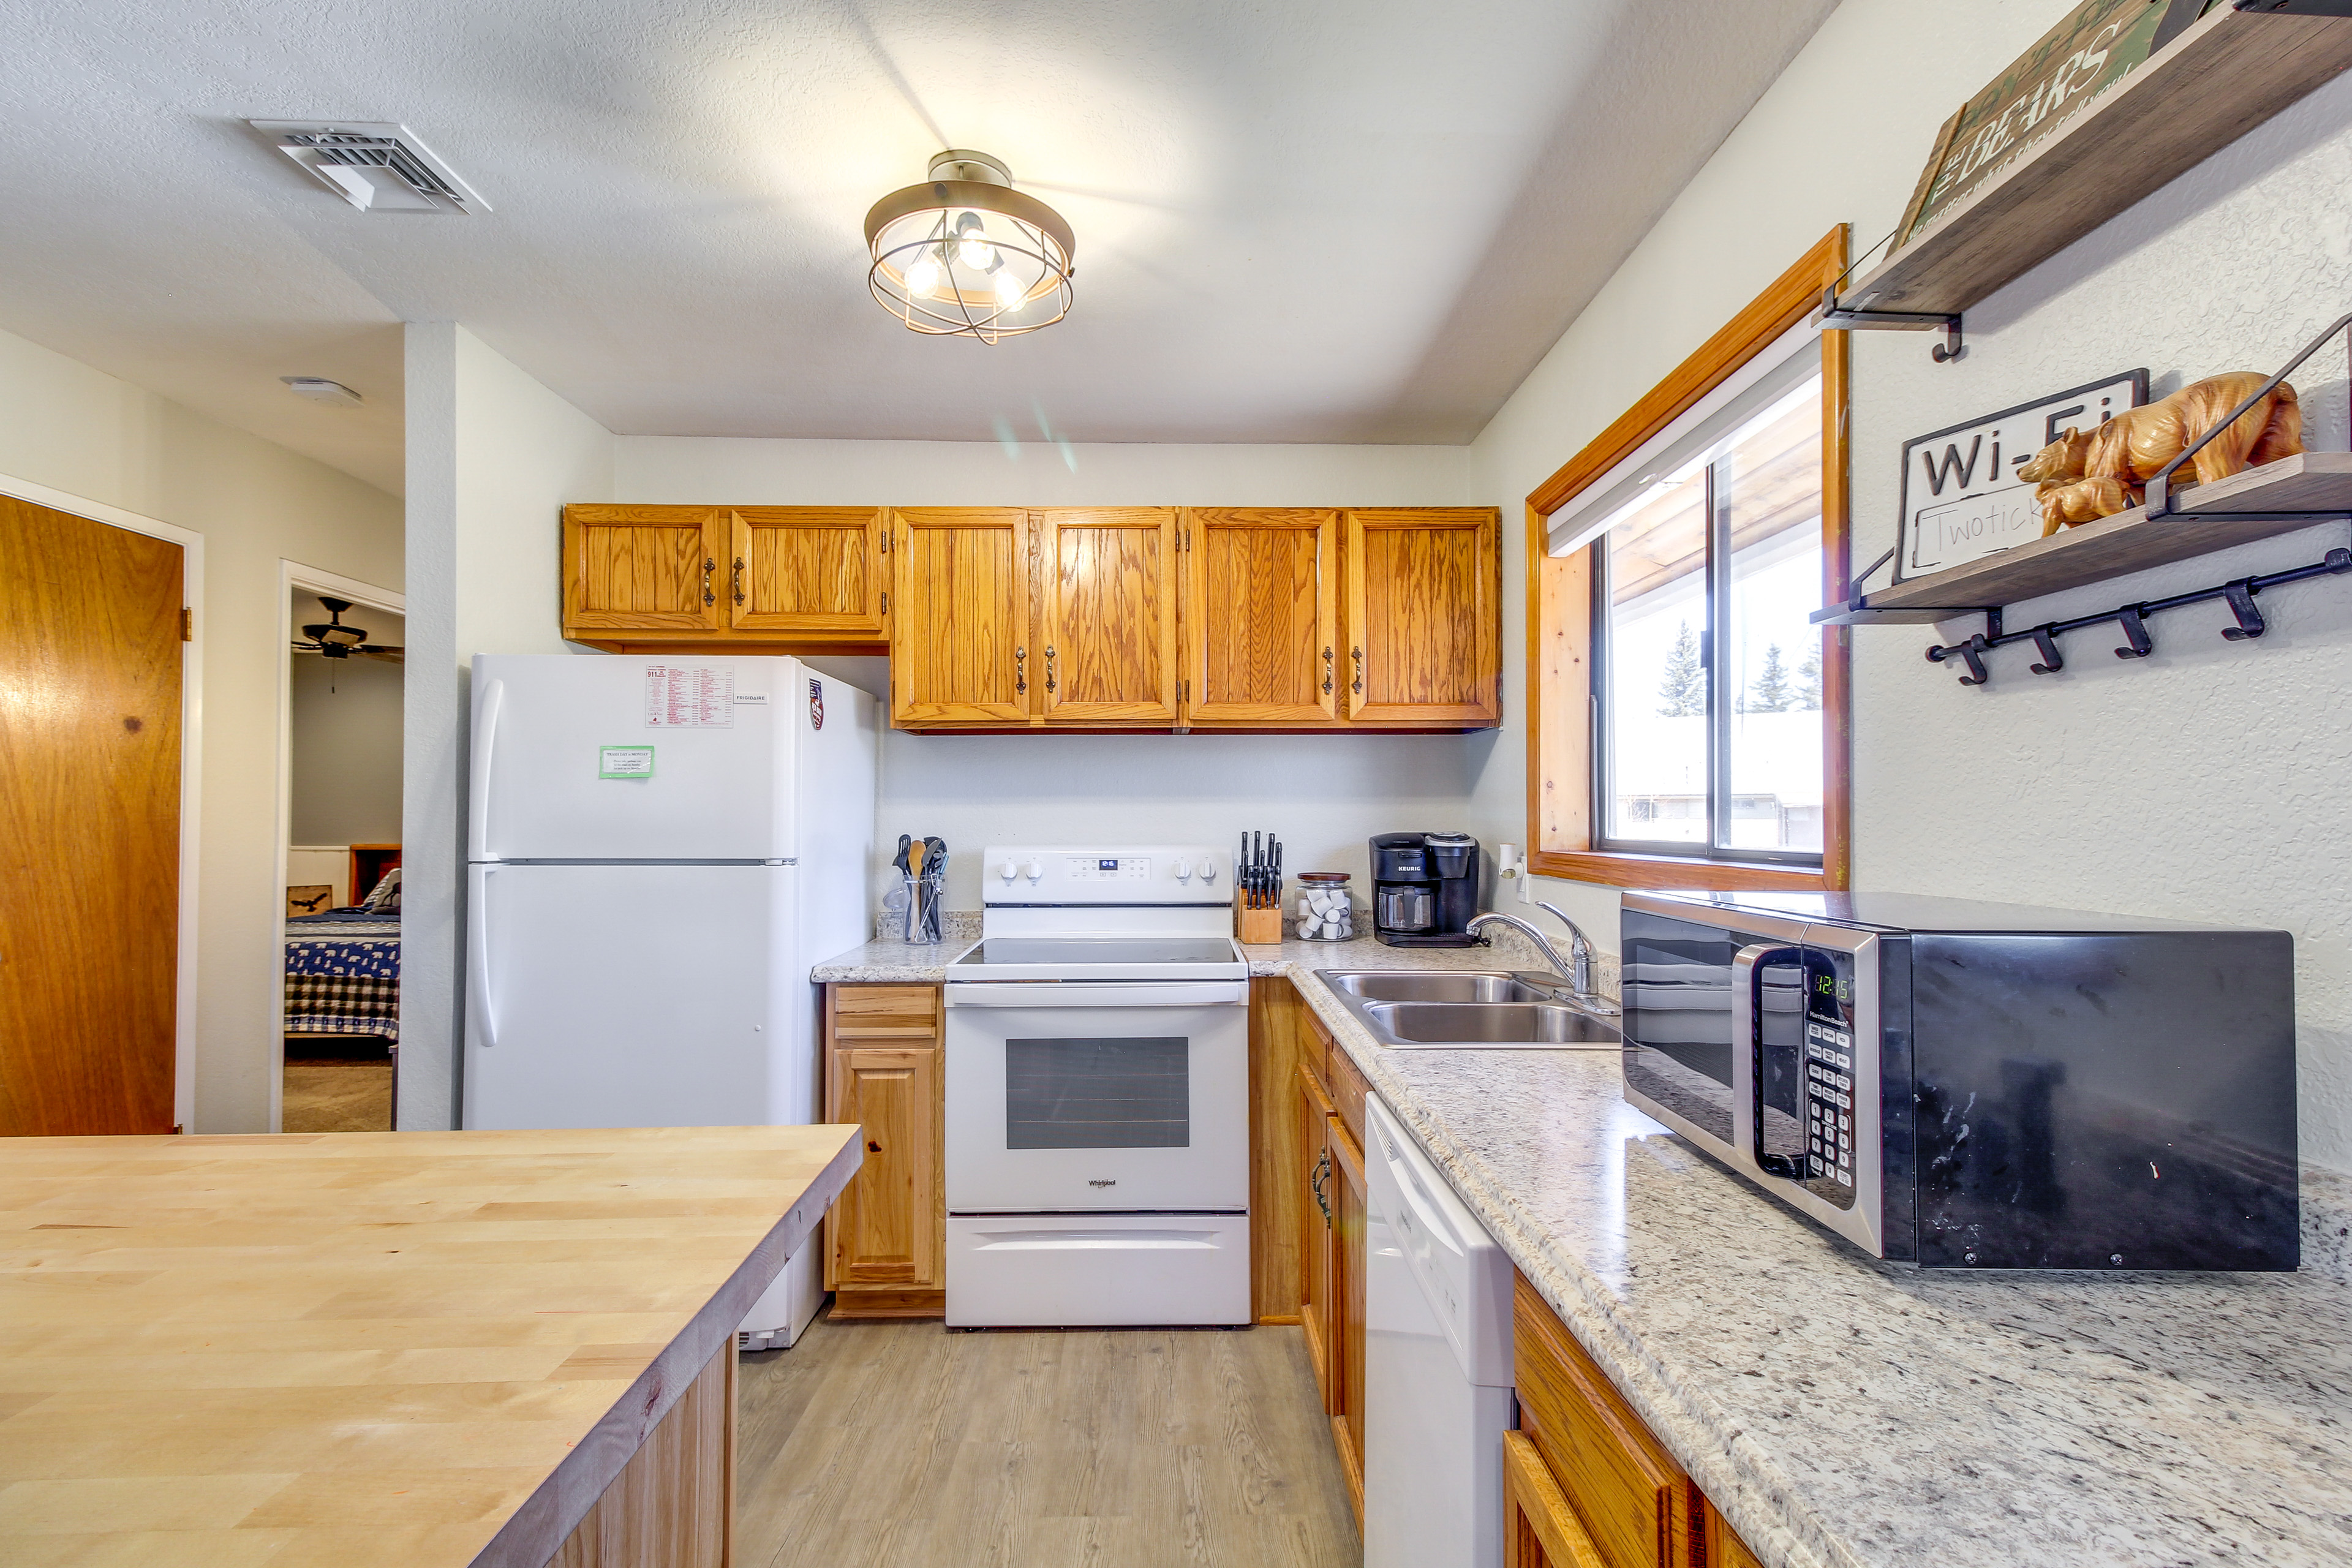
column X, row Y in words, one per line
column 922, row 911
column 1258, row 925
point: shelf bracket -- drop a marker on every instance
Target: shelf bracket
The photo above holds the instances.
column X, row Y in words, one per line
column 1834, row 317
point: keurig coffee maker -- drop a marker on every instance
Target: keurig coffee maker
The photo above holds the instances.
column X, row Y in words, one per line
column 1425, row 889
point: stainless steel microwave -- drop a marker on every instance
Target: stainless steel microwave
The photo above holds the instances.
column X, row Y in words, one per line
column 1964, row 1085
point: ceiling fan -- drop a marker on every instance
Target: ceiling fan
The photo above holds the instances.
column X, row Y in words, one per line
column 336, row 640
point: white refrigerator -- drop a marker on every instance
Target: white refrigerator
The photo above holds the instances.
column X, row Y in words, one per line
column 658, row 851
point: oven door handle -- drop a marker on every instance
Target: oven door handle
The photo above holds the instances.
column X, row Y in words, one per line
column 1097, row 993
column 1748, row 1051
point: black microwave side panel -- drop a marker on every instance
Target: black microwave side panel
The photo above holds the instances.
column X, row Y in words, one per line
column 1898, row 1187
column 2106, row 1099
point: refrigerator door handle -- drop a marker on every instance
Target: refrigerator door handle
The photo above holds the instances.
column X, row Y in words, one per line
column 486, row 739
column 477, row 955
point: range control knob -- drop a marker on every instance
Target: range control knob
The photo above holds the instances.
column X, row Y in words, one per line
column 1209, row 868
column 1033, row 871
column 1183, row 869
column 1008, row 871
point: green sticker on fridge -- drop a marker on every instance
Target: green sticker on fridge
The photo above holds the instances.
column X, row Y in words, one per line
column 625, row 762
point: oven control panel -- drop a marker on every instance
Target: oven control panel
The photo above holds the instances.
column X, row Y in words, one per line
column 1135, row 875
column 1109, row 867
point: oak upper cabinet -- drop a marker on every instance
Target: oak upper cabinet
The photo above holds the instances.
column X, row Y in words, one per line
column 1424, row 616
column 1261, row 625
column 964, row 649
column 1108, row 614
column 885, row 1237
column 809, row 572
column 643, row 569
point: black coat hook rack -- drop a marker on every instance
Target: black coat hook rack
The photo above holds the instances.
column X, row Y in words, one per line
column 2132, row 621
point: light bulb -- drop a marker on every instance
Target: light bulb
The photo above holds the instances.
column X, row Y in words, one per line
column 971, row 244
column 923, row 277
column 1009, row 292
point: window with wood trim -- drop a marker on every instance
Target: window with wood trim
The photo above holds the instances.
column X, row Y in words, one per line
column 1688, row 722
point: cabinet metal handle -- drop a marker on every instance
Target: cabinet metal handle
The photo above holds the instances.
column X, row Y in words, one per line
column 709, row 566
column 737, row 578
column 1019, row 670
column 1322, row 1173
column 1358, row 655
column 1049, row 669
column 1327, row 669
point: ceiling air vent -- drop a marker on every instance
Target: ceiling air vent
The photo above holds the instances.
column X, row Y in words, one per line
column 376, row 167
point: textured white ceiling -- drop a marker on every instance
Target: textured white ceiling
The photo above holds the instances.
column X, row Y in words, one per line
column 1302, row 221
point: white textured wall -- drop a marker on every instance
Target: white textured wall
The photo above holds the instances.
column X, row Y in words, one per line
column 492, row 457
column 2210, row 782
column 1325, row 794
column 343, row 764
column 86, row 433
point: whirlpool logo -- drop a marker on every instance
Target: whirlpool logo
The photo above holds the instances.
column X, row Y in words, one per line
column 1102, row 1183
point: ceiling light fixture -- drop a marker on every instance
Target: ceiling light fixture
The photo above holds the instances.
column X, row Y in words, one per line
column 967, row 255
column 320, row 390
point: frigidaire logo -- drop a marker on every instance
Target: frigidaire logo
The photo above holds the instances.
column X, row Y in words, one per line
column 1111, row 1184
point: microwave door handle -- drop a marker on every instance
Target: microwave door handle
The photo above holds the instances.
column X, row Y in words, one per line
column 1748, row 1050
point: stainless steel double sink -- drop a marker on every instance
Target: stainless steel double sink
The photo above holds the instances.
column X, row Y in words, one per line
column 1422, row 1009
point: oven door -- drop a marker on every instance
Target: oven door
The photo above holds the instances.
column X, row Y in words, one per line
column 1075, row 1097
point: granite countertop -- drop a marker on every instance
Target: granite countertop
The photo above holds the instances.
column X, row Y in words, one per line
column 1840, row 1411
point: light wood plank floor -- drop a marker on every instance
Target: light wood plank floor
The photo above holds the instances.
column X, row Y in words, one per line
column 907, row 1444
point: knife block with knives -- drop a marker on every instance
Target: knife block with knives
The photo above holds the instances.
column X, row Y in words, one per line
column 1257, row 890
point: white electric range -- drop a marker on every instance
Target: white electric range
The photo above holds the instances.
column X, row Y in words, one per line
column 1098, row 1093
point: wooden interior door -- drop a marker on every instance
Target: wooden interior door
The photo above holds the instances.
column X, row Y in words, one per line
column 1110, row 615
column 886, row 1226
column 643, row 568
column 1424, row 628
column 91, row 648
column 963, row 649
column 1261, row 635
column 809, row 572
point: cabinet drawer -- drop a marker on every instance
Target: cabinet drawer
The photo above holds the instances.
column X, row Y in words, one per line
column 1633, row 1500
column 868, row 1011
column 1349, row 1089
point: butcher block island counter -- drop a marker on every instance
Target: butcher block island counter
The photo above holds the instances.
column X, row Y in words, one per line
column 410, row 1349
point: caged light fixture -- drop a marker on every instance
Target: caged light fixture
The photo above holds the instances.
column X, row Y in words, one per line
column 968, row 255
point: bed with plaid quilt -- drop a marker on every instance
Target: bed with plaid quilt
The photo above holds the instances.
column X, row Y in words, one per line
column 343, row 976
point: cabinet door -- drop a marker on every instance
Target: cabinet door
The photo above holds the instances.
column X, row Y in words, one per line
column 642, row 568
column 809, row 572
column 1724, row 1547
column 1110, row 615
column 1424, row 616
column 964, row 649
column 1312, row 1109
column 1261, row 631
column 886, row 1222
column 1539, row 1529
column 1351, row 1202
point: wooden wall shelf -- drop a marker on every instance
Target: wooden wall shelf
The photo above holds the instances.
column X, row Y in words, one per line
column 2292, row 493
column 2230, row 71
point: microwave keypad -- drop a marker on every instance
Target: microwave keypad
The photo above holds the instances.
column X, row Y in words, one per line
column 1829, row 1102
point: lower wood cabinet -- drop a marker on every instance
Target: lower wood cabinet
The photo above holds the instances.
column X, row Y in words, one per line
column 885, row 1237
column 1585, row 1481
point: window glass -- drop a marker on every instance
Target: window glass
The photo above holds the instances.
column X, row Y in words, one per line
column 1710, row 733
column 1771, row 479
column 1656, row 711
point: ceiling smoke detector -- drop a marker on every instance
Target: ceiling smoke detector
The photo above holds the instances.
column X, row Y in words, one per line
column 374, row 165
column 320, row 390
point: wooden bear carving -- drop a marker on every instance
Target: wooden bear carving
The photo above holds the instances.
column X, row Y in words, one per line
column 2099, row 474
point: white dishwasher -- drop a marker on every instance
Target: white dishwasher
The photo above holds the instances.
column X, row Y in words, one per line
column 1437, row 1365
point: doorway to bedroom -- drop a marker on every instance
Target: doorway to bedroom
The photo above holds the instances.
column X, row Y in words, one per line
column 340, row 828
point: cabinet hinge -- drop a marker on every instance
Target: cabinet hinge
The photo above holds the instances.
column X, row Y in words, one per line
column 886, row 543
column 187, row 634
column 886, row 601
